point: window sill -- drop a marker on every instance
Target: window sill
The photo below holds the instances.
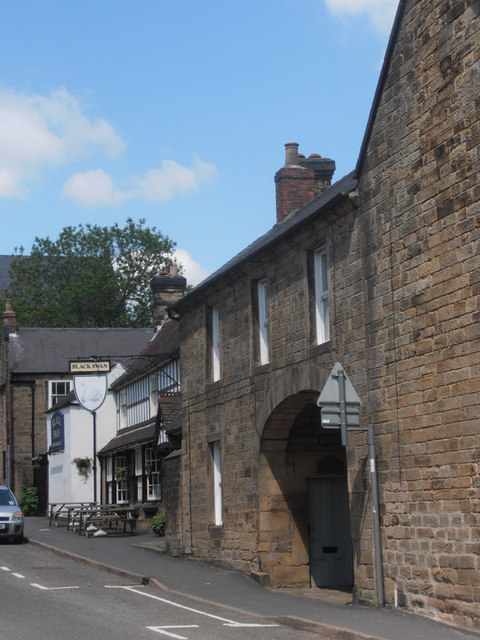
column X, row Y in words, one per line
column 261, row 368
column 320, row 349
column 213, row 384
column 215, row 530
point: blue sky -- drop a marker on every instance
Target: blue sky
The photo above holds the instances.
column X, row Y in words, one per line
column 176, row 111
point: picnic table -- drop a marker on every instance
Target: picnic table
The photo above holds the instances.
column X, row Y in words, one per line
column 61, row 510
column 89, row 519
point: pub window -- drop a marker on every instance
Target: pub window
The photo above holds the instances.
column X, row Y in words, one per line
column 138, row 402
column 121, row 479
column 109, row 479
column 169, row 377
column 139, row 474
column 153, row 469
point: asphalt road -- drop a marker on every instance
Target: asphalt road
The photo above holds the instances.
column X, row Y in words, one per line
column 46, row 596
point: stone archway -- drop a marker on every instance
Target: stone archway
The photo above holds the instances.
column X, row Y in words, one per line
column 294, row 449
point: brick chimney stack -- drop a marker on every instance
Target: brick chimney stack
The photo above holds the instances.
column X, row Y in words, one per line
column 167, row 288
column 10, row 317
column 300, row 180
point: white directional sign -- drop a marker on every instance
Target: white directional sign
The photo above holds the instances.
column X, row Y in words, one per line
column 340, row 403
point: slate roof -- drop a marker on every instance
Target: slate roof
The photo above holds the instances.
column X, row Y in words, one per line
column 34, row 350
column 130, row 438
column 66, row 401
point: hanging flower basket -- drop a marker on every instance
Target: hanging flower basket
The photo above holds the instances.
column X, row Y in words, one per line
column 121, row 474
column 83, row 465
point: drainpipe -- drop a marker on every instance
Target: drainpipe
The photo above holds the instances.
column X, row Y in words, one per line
column 376, row 518
column 32, row 390
column 8, row 411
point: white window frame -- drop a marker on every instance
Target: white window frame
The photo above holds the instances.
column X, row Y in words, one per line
column 263, row 322
column 57, row 396
column 153, row 382
column 322, row 312
column 217, row 484
column 215, row 344
column 109, row 479
column 154, row 478
column 121, row 399
column 139, row 474
column 138, row 402
column 122, row 494
column 169, row 377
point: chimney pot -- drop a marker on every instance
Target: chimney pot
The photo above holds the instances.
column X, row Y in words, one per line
column 323, row 168
column 300, row 180
column 294, row 184
column 167, row 288
column 9, row 317
column 291, row 154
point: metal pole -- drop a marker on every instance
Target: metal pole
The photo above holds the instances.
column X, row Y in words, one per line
column 94, row 413
column 376, row 519
column 343, row 406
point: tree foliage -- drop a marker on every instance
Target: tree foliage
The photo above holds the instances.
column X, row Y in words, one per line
column 91, row 276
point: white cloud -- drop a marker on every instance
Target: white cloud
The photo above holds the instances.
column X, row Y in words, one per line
column 10, row 183
column 41, row 131
column 174, row 179
column 381, row 12
column 193, row 271
column 94, row 188
column 37, row 132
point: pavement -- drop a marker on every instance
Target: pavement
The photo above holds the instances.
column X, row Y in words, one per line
column 141, row 558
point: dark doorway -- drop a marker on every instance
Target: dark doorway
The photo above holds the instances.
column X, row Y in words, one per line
column 40, row 481
column 330, row 537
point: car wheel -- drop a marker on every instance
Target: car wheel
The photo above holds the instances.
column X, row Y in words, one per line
column 19, row 539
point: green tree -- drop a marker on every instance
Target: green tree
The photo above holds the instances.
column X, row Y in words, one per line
column 91, row 276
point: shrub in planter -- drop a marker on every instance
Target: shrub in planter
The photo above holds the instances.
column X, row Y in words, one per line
column 29, row 500
column 157, row 524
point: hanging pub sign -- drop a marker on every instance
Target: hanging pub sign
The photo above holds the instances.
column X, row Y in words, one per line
column 57, row 432
column 89, row 366
column 90, row 391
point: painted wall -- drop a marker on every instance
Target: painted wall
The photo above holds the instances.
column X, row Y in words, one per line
column 66, row 484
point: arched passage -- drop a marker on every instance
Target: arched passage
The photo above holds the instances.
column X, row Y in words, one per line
column 303, row 498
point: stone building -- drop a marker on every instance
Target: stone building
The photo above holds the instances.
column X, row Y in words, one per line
column 379, row 272
column 33, row 377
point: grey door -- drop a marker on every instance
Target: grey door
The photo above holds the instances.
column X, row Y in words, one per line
column 330, row 537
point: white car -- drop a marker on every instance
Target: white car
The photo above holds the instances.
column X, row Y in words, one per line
column 11, row 516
